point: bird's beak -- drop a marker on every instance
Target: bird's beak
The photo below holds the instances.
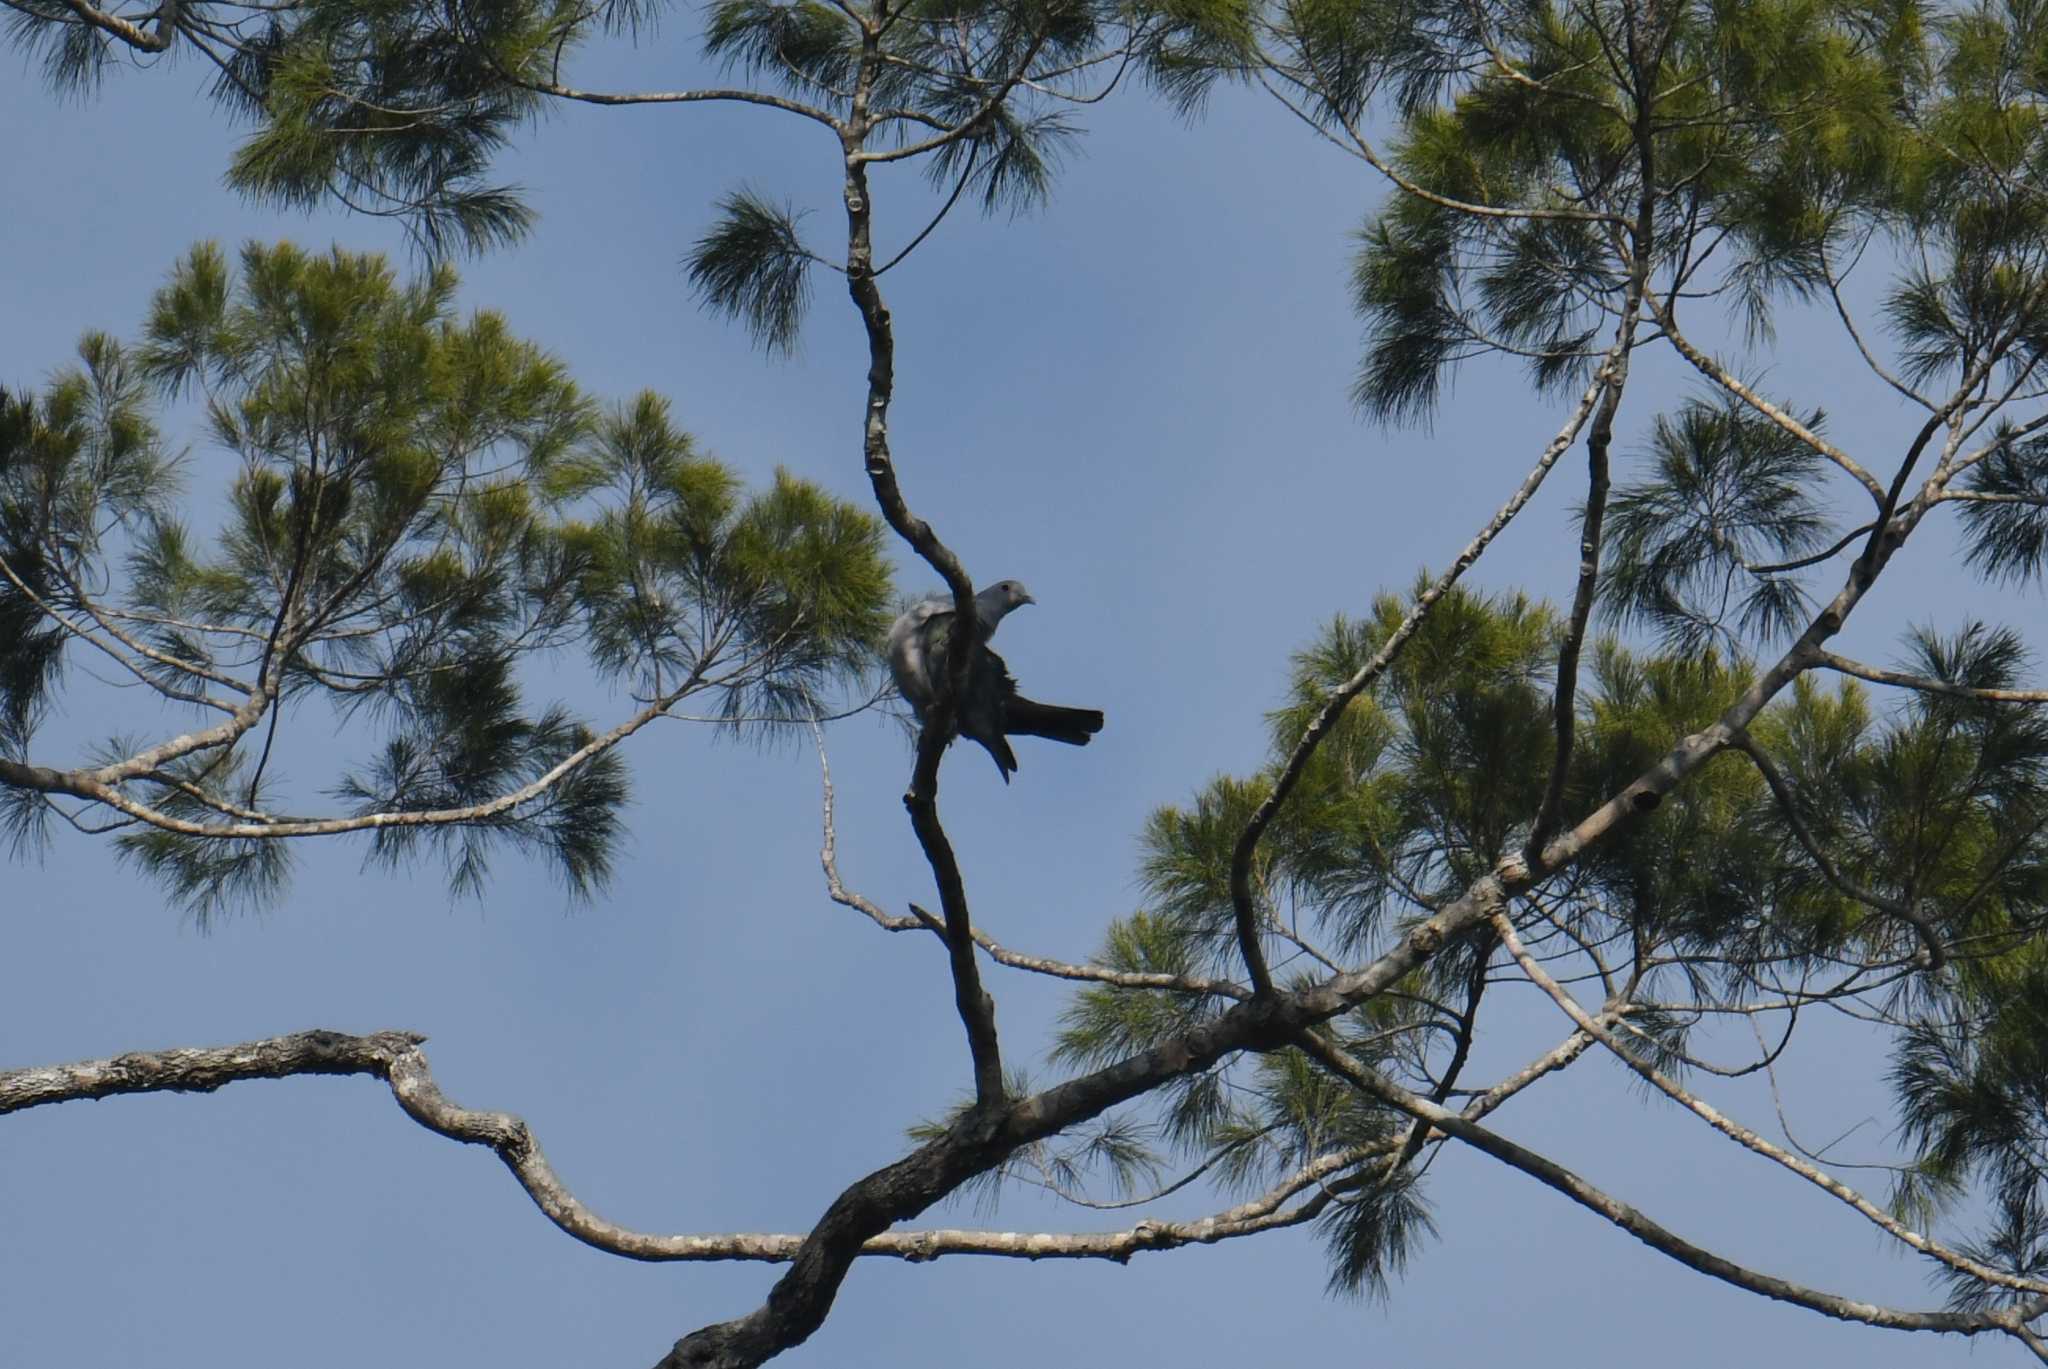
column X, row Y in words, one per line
column 1027, row 599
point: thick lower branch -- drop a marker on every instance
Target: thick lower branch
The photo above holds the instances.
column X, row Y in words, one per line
column 202, row 1070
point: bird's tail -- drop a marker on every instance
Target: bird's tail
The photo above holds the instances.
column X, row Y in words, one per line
column 999, row 751
column 1024, row 718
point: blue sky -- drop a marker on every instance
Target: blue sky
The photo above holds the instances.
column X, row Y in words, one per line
column 1134, row 401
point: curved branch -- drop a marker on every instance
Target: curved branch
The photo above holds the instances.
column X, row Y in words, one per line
column 1804, row 562
column 976, row 1008
column 1878, row 368
column 1362, row 147
column 1714, row 371
column 396, row 1058
column 48, row 610
column 100, row 786
column 1743, row 1136
column 1638, row 1224
column 918, row 920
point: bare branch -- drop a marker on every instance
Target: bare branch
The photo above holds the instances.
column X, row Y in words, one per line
column 1743, row 1136
column 1720, row 375
column 1363, row 148
column 1636, row 1223
column 679, row 97
column 967, row 127
column 100, row 786
column 127, row 30
column 1878, row 675
column 919, row 920
column 1564, row 705
column 396, row 1058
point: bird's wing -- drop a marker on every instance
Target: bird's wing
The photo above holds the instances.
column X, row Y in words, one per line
column 912, row 646
column 989, row 690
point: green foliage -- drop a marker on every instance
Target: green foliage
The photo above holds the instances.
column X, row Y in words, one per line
column 419, row 503
column 1423, row 782
column 1697, row 547
column 209, row 875
column 1373, row 1231
column 75, row 56
column 1405, row 797
column 1100, row 1026
column 1696, row 872
column 1941, row 808
column 465, row 744
column 1247, row 1125
column 752, row 266
column 1712, row 897
column 365, row 104
column 76, row 462
column 1745, row 155
column 805, row 45
column 1008, row 160
column 2006, row 521
column 1725, row 160
column 1401, row 282
column 684, row 582
column 401, row 111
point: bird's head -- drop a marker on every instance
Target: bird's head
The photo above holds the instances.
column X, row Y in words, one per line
column 997, row 600
column 1008, row 594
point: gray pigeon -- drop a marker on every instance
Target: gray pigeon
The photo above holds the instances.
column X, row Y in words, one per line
column 992, row 710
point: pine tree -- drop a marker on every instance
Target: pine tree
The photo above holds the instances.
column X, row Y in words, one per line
column 420, row 502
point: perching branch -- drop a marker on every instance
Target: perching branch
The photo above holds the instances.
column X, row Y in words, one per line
column 976, row 1008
